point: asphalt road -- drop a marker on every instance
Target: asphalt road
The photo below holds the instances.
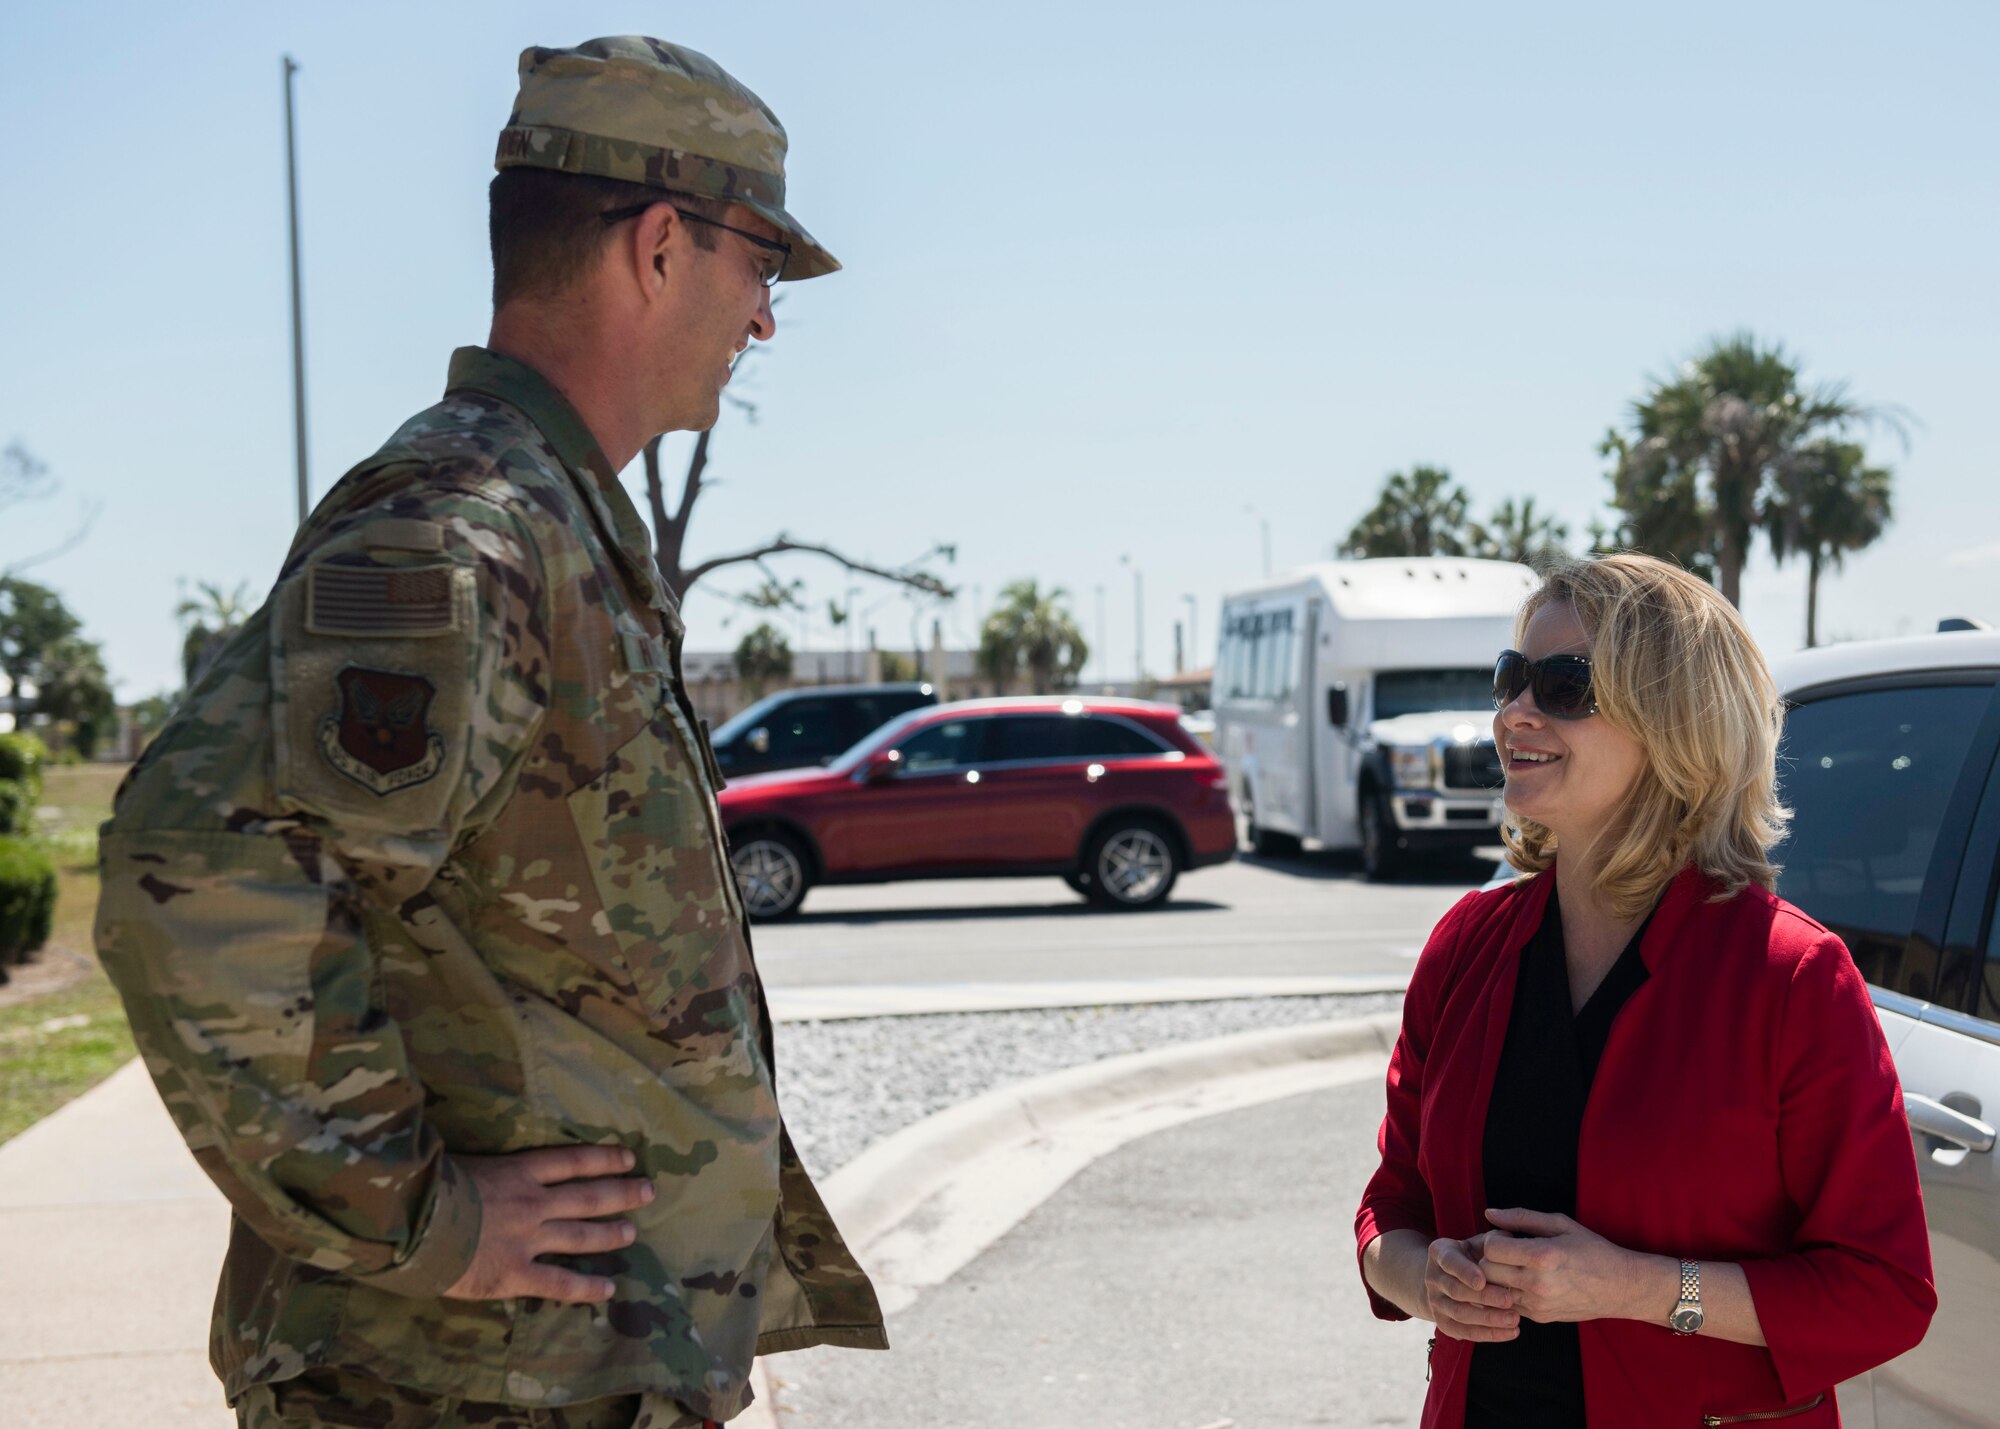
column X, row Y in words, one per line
column 1199, row 1277
column 1312, row 916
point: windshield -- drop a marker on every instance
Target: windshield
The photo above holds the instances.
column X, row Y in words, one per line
column 888, row 734
column 745, row 719
column 1403, row 692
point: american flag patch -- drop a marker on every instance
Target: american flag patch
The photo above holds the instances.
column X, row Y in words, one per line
column 407, row 601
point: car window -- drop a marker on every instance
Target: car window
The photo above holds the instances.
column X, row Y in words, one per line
column 1114, row 739
column 862, row 715
column 745, row 720
column 805, row 730
column 1867, row 776
column 1019, row 737
column 1401, row 692
column 951, row 745
column 1971, row 954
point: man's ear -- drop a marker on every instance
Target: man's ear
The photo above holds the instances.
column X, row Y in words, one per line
column 652, row 246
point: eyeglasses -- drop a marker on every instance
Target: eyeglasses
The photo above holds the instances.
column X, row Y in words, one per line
column 1561, row 683
column 776, row 254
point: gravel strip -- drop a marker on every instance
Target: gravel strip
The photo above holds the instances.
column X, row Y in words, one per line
column 849, row 1082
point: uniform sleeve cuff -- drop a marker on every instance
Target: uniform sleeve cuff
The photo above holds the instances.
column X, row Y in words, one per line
column 444, row 1250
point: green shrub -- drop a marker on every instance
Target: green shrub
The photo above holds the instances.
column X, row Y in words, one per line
column 17, row 809
column 27, row 899
column 22, row 759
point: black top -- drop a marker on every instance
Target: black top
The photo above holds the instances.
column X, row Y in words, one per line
column 1532, row 1124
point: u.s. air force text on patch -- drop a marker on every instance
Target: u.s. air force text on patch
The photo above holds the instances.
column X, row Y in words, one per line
column 380, row 736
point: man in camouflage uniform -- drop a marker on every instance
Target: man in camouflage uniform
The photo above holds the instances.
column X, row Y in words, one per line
column 420, row 906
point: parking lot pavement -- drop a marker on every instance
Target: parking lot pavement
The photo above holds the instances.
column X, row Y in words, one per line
column 1312, row 916
column 1202, row 1276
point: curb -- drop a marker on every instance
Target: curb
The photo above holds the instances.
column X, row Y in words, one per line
column 879, row 1189
column 859, row 1000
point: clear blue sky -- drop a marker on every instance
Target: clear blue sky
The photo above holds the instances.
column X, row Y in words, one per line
column 1114, row 274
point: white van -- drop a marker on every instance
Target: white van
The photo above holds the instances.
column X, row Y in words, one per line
column 1353, row 705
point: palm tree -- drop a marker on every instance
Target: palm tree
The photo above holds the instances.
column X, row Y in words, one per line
column 1031, row 633
column 1692, row 477
column 210, row 622
column 1422, row 514
column 1827, row 502
column 1517, row 532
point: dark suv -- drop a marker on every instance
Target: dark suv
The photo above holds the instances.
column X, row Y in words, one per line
column 796, row 729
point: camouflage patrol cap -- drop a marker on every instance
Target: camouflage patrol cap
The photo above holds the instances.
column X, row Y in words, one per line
column 652, row 113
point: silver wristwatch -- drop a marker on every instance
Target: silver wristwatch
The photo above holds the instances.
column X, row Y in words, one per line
column 1686, row 1318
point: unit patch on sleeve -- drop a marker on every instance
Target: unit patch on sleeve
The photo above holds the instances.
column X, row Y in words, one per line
column 381, row 737
column 401, row 601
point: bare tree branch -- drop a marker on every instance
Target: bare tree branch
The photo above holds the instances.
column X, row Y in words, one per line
column 91, row 510
column 22, row 477
column 670, row 528
column 910, row 576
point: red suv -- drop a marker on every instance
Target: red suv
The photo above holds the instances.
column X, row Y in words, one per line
column 1114, row 796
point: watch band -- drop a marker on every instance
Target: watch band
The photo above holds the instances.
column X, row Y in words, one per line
column 1687, row 1317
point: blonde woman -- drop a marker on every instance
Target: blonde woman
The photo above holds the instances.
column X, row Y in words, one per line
column 1645, row 1160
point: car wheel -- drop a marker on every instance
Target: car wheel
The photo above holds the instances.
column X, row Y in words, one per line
column 1381, row 856
column 1267, row 843
column 1078, row 883
column 771, row 874
column 1132, row 864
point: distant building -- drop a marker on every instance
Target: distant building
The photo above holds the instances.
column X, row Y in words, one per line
column 1191, row 689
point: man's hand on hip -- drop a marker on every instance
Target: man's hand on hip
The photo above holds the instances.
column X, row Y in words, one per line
column 548, row 1202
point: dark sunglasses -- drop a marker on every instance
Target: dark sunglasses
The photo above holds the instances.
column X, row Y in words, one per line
column 1561, row 683
column 776, row 254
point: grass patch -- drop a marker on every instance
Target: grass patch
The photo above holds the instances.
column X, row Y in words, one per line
column 54, row 1048
column 76, row 798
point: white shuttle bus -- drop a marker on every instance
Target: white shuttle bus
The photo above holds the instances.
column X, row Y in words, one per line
column 1353, row 705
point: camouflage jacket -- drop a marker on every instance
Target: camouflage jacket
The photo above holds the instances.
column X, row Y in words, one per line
column 429, row 862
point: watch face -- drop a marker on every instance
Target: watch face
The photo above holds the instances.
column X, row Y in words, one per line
column 1686, row 1319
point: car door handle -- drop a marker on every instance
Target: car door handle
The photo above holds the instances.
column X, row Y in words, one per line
column 1934, row 1118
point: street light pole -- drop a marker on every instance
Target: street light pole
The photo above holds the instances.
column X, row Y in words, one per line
column 298, row 321
column 1194, row 632
column 847, row 656
column 1138, row 624
column 1264, row 523
column 1103, row 650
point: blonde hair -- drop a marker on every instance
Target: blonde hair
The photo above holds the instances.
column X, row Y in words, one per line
column 1673, row 665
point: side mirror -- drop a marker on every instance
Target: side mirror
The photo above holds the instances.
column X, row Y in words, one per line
column 1336, row 707
column 882, row 766
column 759, row 740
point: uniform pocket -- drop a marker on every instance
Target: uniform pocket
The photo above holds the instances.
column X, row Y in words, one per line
column 649, row 839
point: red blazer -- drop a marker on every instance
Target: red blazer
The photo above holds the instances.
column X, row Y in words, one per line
column 1746, row 1109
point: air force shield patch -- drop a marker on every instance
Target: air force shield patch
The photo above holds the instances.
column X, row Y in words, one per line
column 381, row 737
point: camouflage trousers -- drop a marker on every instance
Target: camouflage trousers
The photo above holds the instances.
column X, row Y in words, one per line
column 340, row 1399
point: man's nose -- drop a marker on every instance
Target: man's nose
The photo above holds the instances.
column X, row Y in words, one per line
column 764, row 326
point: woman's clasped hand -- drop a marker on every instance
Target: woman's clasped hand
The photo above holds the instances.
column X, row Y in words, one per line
column 1463, row 1302
column 1534, row 1266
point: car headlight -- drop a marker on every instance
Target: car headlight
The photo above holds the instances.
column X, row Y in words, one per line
column 1410, row 765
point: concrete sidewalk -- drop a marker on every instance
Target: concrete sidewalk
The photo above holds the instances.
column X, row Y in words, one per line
column 110, row 1235
column 1200, row 1277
